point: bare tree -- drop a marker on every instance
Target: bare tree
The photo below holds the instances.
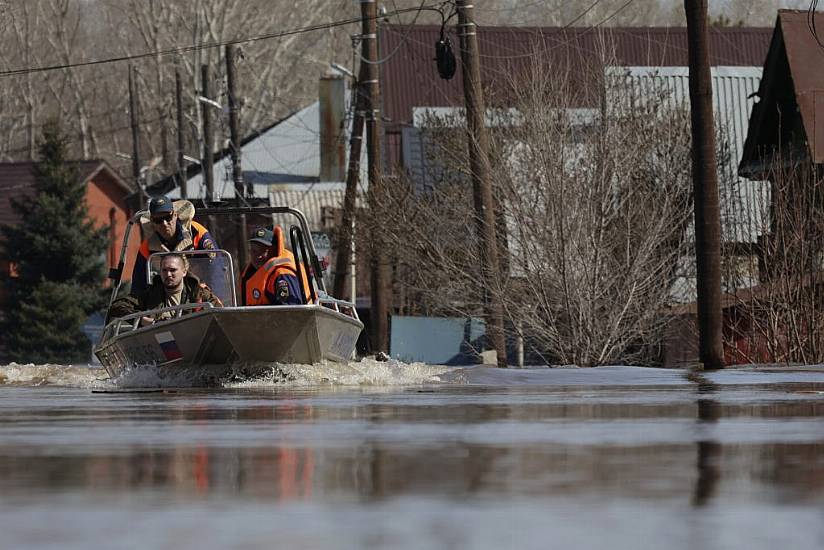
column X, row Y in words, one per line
column 275, row 76
column 21, row 26
column 779, row 320
column 595, row 201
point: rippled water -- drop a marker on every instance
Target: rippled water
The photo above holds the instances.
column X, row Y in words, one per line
column 388, row 455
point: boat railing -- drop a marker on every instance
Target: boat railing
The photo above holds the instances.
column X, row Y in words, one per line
column 116, row 273
column 341, row 306
column 131, row 322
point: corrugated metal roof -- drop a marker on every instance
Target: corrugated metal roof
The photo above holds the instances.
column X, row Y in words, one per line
column 744, row 203
column 311, row 201
column 409, row 77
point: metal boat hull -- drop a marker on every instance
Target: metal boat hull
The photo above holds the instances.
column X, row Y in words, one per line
column 217, row 340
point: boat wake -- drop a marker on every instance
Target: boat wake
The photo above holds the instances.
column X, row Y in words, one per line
column 367, row 372
column 31, row 375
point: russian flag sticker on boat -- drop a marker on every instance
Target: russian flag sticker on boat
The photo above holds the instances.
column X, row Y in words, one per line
column 168, row 345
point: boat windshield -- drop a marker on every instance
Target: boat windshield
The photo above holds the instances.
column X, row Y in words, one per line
column 213, row 267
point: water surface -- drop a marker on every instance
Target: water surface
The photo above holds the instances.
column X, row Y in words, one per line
column 387, row 455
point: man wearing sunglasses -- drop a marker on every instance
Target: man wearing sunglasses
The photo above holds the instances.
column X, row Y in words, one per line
column 171, row 229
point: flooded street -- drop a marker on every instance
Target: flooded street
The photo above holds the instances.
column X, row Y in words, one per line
column 394, row 456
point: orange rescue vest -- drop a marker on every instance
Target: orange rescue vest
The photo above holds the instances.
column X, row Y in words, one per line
column 255, row 285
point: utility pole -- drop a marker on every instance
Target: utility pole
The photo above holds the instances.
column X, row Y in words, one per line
column 346, row 230
column 181, row 167
column 705, row 189
column 481, row 176
column 379, row 261
column 234, row 148
column 133, row 102
column 207, row 164
column 234, row 124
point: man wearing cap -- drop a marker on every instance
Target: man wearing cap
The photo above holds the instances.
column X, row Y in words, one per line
column 272, row 278
column 170, row 228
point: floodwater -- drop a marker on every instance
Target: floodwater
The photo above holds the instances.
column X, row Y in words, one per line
column 388, row 455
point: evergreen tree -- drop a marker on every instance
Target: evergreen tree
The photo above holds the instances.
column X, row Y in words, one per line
column 60, row 258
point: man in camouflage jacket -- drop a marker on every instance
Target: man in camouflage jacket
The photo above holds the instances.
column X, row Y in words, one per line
column 172, row 287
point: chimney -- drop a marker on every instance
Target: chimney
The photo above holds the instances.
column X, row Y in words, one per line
column 331, row 93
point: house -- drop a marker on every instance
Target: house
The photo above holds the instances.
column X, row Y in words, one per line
column 785, row 147
column 411, row 88
column 304, row 151
column 409, row 78
column 650, row 58
column 785, row 142
column 106, row 198
column 787, row 123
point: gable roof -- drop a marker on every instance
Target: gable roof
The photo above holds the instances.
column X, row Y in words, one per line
column 168, row 183
column 17, row 180
column 793, row 82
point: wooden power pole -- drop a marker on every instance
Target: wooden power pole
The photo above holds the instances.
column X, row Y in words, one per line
column 481, row 176
column 346, row 230
column 234, row 148
column 207, row 164
column 379, row 263
column 133, row 103
column 181, row 166
column 234, row 123
column 705, row 187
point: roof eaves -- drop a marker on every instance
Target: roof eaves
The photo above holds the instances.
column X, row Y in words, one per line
column 103, row 166
column 751, row 165
column 167, row 183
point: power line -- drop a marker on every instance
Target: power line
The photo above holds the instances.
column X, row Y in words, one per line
column 558, row 43
column 208, row 45
column 565, row 27
column 519, row 7
column 77, row 135
column 403, row 40
column 811, row 21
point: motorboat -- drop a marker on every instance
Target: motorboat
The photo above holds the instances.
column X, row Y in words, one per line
column 215, row 343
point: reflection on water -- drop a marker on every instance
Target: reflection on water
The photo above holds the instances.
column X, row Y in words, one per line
column 638, row 458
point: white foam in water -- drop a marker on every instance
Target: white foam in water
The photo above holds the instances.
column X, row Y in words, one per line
column 367, row 372
column 78, row 376
column 152, row 376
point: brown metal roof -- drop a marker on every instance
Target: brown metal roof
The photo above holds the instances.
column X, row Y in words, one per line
column 791, row 95
column 806, row 63
column 409, row 77
column 17, row 181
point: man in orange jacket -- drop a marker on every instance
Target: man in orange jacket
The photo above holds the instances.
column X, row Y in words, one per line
column 272, row 277
column 172, row 230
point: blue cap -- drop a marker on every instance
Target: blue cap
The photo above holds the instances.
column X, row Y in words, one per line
column 262, row 235
column 161, row 205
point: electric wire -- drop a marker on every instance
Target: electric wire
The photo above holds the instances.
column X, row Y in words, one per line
column 411, row 25
column 209, row 45
column 566, row 26
column 811, row 22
